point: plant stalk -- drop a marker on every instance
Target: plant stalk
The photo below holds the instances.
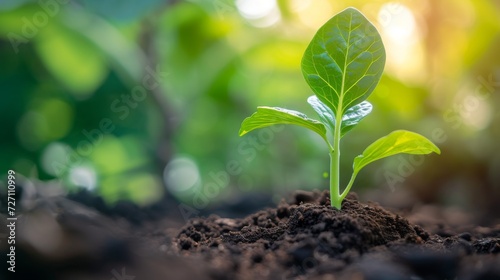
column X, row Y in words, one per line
column 349, row 185
column 335, row 198
column 334, row 179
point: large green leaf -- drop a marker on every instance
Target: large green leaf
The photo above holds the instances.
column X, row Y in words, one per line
column 350, row 119
column 397, row 142
column 344, row 61
column 267, row 116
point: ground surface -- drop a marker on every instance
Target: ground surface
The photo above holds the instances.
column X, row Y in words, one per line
column 304, row 238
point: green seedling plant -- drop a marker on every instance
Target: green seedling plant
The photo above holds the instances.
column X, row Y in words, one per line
column 342, row 64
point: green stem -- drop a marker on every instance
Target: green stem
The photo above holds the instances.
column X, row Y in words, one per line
column 335, row 197
column 348, row 188
column 334, row 179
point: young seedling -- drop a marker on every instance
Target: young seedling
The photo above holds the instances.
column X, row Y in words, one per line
column 342, row 65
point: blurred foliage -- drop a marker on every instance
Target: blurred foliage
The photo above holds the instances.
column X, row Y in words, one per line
column 127, row 97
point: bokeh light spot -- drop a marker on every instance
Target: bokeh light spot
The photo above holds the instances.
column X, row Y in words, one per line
column 397, row 21
column 55, row 153
column 49, row 120
column 260, row 13
column 83, row 176
column 181, row 174
column 144, row 189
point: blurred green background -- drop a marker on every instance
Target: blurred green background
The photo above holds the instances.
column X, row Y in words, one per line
column 138, row 99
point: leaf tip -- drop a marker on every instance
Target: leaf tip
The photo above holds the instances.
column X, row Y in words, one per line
column 437, row 150
column 242, row 132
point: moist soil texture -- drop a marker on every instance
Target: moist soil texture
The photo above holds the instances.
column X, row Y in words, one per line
column 79, row 237
column 306, row 238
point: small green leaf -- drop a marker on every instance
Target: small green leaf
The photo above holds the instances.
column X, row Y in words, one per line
column 397, row 142
column 344, row 61
column 350, row 119
column 354, row 115
column 267, row 116
column 324, row 112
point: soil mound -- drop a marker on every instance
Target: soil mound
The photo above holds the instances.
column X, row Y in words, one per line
column 302, row 236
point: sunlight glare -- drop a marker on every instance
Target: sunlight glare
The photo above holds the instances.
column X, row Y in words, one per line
column 299, row 5
column 397, row 21
column 315, row 14
column 401, row 36
column 260, row 13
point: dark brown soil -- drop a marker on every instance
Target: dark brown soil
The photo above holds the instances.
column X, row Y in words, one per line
column 307, row 239
column 304, row 238
column 295, row 239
